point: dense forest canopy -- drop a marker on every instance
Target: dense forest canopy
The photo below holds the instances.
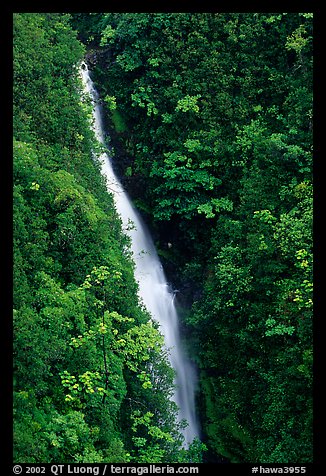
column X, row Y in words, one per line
column 91, row 382
column 210, row 120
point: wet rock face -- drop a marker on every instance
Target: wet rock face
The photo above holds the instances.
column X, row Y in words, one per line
column 96, row 56
column 91, row 57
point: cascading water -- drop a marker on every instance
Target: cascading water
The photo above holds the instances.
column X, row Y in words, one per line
column 153, row 288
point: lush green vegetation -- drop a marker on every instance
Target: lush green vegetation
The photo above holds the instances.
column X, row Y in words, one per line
column 217, row 127
column 91, row 382
column 210, row 116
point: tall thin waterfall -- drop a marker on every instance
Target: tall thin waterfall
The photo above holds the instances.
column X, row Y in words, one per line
column 153, row 288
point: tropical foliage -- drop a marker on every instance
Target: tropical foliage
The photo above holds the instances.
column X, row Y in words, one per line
column 91, row 380
column 210, row 117
column 218, row 108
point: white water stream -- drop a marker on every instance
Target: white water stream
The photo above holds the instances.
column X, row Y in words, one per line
column 153, row 288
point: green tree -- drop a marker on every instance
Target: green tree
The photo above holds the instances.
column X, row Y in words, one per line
column 84, row 348
column 218, row 109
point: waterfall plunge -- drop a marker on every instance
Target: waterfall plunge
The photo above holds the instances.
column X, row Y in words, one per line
column 153, row 288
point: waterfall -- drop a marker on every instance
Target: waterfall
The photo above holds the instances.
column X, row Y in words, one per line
column 153, row 288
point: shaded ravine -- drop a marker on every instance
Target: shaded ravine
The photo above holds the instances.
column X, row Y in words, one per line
column 154, row 291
